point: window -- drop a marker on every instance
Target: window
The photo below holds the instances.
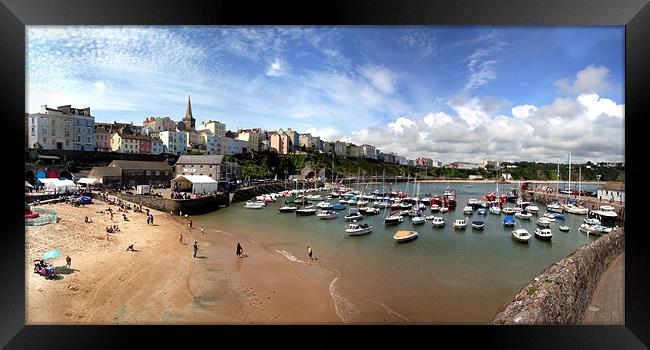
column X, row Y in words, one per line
column 44, row 120
column 33, row 131
column 88, row 140
column 157, row 173
column 44, row 141
column 67, row 124
column 67, row 133
column 44, row 130
column 78, row 138
column 67, row 143
column 148, row 173
column 78, row 130
column 88, row 131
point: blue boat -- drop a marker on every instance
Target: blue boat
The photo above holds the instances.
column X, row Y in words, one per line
column 509, row 221
column 478, row 225
column 482, row 211
column 338, row 206
column 83, row 199
column 559, row 216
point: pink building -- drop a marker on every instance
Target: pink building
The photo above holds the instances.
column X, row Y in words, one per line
column 145, row 145
column 102, row 139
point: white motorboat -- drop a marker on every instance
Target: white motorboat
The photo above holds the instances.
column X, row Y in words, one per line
column 508, row 211
column 495, row 210
column 373, row 211
column 460, row 223
column 521, row 235
column 326, row 214
column 482, row 211
column 468, row 210
column 405, row 236
column 393, row 219
column 324, row 205
column 444, row 209
column 532, row 208
column 564, row 228
column 543, row 222
column 555, row 208
column 524, row 215
column 429, row 217
column 353, row 215
column 589, row 229
column 592, row 221
column 254, row 205
column 362, row 202
column 575, row 209
column 418, row 220
column 288, row 209
column 358, row 229
column 605, row 214
column 543, row 233
column 315, row 197
column 438, row 221
column 550, row 216
column 435, row 208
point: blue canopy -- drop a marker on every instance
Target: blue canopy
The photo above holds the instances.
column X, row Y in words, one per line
column 509, row 219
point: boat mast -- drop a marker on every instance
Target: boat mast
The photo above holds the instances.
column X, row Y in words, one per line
column 569, row 174
column 579, row 183
column 557, row 189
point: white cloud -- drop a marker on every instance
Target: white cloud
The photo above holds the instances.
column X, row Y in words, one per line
column 481, row 69
column 523, row 111
column 578, row 125
column 380, row 77
column 420, row 41
column 276, row 69
column 592, row 79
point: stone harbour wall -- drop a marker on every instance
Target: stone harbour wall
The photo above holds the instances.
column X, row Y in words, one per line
column 562, row 293
column 187, row 206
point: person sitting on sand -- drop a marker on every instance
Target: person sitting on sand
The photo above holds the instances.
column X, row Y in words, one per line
column 130, row 248
column 109, row 229
column 125, row 218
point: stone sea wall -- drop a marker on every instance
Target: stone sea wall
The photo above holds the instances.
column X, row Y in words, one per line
column 562, row 293
column 187, row 206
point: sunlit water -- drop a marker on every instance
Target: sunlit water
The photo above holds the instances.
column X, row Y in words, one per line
column 446, row 275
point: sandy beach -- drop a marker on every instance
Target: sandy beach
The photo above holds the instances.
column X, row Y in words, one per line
column 160, row 282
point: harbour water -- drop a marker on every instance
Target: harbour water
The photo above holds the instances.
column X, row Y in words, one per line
column 445, row 276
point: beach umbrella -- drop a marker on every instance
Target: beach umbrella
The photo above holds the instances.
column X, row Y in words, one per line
column 51, row 254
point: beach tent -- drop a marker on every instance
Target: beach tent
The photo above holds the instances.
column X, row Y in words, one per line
column 198, row 183
column 58, row 186
column 87, row 181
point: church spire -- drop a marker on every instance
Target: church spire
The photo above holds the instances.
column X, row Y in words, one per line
column 188, row 112
column 189, row 120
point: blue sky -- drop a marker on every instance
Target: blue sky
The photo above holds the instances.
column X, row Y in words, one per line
column 450, row 93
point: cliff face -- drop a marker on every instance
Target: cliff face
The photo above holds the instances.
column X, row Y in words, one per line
column 562, row 293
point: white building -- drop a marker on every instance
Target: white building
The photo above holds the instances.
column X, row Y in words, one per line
column 340, row 148
column 64, row 128
column 612, row 192
column 218, row 129
column 368, row 151
column 236, row 146
column 175, row 142
column 252, row 138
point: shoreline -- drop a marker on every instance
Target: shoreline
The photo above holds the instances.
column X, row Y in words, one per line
column 160, row 283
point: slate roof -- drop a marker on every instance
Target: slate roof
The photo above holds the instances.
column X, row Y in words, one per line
column 140, row 165
column 200, row 159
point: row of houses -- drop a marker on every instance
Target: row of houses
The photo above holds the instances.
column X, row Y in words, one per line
column 70, row 128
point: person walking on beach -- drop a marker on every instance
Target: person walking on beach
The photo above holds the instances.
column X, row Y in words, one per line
column 148, row 220
column 309, row 251
column 202, row 231
column 180, row 239
column 68, row 261
column 151, row 218
column 196, row 248
column 240, row 250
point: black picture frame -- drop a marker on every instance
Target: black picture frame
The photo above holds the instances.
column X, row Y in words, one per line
column 633, row 14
